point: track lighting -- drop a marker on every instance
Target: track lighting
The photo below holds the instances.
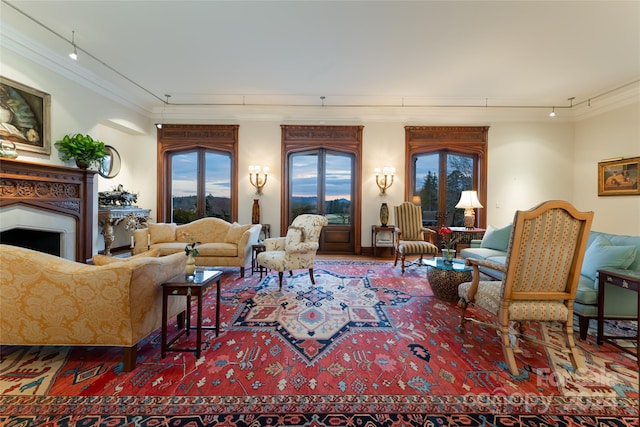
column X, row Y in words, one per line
column 73, row 55
column 553, row 112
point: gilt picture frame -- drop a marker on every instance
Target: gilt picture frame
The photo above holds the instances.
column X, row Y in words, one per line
column 619, row 177
column 25, row 117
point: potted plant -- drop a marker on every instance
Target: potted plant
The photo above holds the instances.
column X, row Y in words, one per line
column 82, row 148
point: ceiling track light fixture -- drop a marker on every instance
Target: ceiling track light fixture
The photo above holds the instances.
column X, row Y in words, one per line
column 164, row 106
column 553, row 112
column 74, row 55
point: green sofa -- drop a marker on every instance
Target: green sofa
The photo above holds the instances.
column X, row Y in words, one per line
column 604, row 250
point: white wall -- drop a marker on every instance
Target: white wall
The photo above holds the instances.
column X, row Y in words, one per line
column 612, row 134
column 529, row 160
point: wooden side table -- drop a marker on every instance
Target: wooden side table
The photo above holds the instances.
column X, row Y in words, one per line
column 191, row 286
column 383, row 237
column 625, row 279
column 255, row 267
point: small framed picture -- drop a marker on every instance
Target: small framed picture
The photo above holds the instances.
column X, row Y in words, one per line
column 25, row 117
column 618, row 177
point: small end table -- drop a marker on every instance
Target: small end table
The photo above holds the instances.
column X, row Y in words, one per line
column 189, row 286
column 383, row 236
column 255, row 267
column 444, row 278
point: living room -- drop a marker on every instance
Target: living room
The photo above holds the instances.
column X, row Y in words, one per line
column 531, row 157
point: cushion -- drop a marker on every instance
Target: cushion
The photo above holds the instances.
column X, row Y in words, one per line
column 162, row 232
column 104, row 260
column 295, row 235
column 602, row 254
column 235, row 232
column 497, row 238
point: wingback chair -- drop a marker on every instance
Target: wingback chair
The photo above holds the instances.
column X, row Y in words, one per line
column 413, row 237
column 540, row 277
column 295, row 251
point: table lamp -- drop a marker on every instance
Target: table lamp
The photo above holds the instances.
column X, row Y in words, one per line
column 468, row 202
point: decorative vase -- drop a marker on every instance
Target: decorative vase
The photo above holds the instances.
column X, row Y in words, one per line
column 384, row 214
column 82, row 164
column 190, row 268
column 255, row 212
column 448, row 255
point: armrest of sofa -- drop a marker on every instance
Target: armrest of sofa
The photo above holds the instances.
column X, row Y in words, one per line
column 475, row 243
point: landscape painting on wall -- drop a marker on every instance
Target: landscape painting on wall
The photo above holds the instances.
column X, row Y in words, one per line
column 25, row 117
column 618, row 177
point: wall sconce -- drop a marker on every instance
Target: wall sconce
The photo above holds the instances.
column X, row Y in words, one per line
column 258, row 177
column 386, row 180
column 469, row 201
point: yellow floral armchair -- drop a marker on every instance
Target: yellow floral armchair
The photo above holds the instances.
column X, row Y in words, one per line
column 297, row 250
column 48, row 300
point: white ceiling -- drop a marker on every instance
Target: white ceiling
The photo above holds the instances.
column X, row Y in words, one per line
column 351, row 52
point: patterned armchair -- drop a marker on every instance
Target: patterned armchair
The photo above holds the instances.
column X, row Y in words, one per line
column 297, row 250
column 540, row 277
column 413, row 237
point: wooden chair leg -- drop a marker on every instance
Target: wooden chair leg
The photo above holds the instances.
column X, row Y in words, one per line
column 462, row 304
column 280, row 279
column 507, row 350
column 402, row 263
column 395, row 259
column 313, row 280
column 241, row 272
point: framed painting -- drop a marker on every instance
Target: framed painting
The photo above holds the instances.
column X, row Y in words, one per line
column 618, row 177
column 25, row 115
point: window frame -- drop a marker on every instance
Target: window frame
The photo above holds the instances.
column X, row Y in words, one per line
column 175, row 139
column 463, row 140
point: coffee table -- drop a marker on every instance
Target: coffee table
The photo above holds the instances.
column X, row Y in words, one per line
column 189, row 286
column 444, row 278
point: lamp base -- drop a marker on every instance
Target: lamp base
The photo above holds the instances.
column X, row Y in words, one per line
column 469, row 218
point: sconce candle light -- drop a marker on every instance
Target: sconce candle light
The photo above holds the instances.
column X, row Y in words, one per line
column 385, row 180
column 258, row 177
column 469, row 201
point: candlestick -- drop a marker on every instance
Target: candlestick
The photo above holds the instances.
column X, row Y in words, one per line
column 133, row 243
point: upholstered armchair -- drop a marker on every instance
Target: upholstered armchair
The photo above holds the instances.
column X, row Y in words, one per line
column 539, row 278
column 413, row 237
column 297, row 250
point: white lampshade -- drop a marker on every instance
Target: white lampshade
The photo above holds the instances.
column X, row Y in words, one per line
column 469, row 199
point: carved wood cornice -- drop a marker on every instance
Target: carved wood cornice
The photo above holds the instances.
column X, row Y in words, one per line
column 68, row 191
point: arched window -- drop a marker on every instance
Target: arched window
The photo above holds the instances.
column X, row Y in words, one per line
column 197, row 172
column 441, row 162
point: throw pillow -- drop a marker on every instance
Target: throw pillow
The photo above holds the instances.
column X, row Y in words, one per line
column 105, row 260
column 162, row 232
column 295, row 235
column 602, row 254
column 235, row 232
column 497, row 238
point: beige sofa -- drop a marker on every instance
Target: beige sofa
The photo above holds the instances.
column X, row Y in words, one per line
column 48, row 300
column 222, row 244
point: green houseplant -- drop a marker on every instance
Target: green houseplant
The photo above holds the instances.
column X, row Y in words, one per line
column 82, row 148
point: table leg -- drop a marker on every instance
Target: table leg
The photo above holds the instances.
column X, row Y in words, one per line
column 600, row 327
column 163, row 339
column 218, row 306
column 199, row 326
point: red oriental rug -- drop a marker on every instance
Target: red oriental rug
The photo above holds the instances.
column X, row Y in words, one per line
column 365, row 346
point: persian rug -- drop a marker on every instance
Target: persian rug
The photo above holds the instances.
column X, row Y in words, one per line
column 364, row 346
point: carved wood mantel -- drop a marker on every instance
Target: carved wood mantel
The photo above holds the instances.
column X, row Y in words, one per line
column 60, row 189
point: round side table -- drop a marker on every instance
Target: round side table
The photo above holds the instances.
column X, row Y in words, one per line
column 444, row 278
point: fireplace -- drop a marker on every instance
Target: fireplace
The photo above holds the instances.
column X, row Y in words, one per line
column 38, row 240
column 54, row 200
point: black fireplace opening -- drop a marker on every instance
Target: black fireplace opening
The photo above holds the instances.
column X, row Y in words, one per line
column 38, row 240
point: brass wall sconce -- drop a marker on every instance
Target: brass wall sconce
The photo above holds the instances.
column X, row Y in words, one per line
column 385, row 180
column 258, row 177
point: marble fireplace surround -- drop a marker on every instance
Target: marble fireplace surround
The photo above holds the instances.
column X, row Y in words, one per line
column 51, row 198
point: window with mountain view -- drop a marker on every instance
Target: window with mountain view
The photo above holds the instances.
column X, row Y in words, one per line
column 200, row 185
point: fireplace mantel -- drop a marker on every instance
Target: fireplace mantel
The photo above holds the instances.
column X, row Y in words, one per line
column 60, row 189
